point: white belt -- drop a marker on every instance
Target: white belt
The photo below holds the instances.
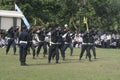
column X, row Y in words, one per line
column 90, row 44
column 87, row 43
column 9, row 38
column 23, row 42
column 41, row 41
column 67, row 43
column 54, row 43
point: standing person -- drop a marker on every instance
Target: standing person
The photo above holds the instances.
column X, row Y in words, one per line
column 42, row 43
column 85, row 45
column 67, row 44
column 54, row 45
column 23, row 41
column 11, row 36
column 30, row 39
column 60, row 42
column 91, row 43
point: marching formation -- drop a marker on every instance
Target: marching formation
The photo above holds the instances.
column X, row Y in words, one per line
column 53, row 41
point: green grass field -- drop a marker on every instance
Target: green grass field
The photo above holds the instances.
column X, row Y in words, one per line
column 105, row 67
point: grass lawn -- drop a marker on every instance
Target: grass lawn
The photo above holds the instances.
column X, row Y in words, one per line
column 105, row 67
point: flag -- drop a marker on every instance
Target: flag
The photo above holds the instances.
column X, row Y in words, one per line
column 35, row 21
column 85, row 22
column 24, row 18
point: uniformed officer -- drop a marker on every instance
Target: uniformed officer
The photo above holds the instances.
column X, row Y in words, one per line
column 85, row 45
column 42, row 43
column 92, row 40
column 54, row 45
column 60, row 41
column 23, row 41
column 67, row 43
column 11, row 36
column 30, row 40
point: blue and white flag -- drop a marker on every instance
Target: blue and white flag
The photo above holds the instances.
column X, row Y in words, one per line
column 24, row 18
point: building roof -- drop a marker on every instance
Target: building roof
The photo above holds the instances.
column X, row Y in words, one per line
column 6, row 13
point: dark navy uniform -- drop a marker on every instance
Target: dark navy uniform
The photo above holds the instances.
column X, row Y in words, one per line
column 60, row 42
column 30, row 40
column 86, row 46
column 92, row 41
column 67, row 43
column 54, row 46
column 42, row 42
column 23, row 41
column 11, row 39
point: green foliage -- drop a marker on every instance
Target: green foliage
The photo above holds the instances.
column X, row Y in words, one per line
column 103, row 15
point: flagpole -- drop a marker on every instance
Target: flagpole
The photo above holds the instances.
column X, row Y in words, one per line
column 24, row 18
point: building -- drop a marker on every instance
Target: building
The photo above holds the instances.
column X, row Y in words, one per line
column 10, row 18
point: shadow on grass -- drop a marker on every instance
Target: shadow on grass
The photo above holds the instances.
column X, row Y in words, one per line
column 75, row 55
column 78, row 61
column 41, row 64
column 67, row 61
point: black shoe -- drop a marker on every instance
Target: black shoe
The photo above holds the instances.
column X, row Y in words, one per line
column 24, row 64
column 90, row 60
column 57, row 62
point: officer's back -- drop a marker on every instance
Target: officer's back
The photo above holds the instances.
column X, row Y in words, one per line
column 54, row 36
column 86, row 37
column 23, row 36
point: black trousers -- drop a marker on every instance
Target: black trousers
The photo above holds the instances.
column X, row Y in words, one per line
column 87, row 49
column 11, row 42
column 33, row 47
column 60, row 47
column 23, row 52
column 53, row 50
column 44, row 45
column 67, row 46
column 92, row 47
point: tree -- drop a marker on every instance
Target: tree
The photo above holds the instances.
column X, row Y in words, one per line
column 102, row 15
